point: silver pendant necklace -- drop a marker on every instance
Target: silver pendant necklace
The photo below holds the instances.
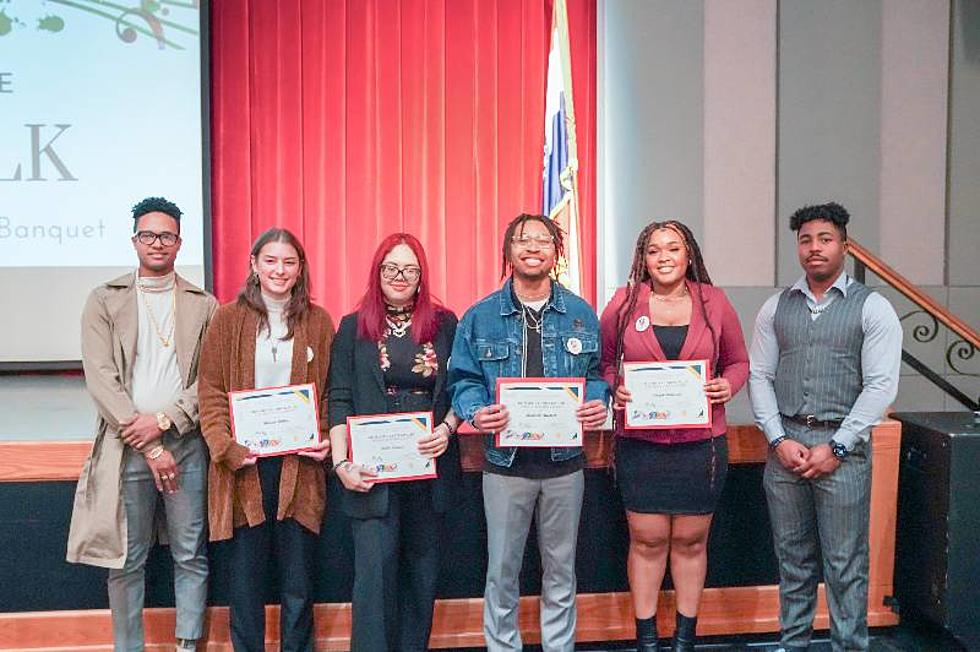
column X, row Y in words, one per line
column 398, row 329
column 533, row 322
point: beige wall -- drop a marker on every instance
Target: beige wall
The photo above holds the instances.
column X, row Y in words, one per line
column 872, row 103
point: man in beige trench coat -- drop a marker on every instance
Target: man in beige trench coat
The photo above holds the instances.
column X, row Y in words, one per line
column 141, row 338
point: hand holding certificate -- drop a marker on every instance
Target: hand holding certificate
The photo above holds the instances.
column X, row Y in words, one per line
column 276, row 420
column 667, row 394
column 388, row 445
column 542, row 411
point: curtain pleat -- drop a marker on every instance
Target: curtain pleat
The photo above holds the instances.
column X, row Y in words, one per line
column 347, row 120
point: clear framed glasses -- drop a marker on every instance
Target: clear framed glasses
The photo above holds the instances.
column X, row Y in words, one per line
column 539, row 241
column 166, row 238
column 390, row 271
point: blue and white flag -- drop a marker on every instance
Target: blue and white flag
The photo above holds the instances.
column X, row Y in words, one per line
column 560, row 176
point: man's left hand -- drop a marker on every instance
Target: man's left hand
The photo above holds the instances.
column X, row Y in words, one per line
column 140, row 430
column 821, row 462
column 591, row 414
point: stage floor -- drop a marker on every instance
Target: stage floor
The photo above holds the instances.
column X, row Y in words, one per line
column 903, row 638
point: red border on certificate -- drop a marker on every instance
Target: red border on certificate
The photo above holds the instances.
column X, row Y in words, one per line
column 316, row 401
column 579, row 382
column 673, row 426
column 360, row 417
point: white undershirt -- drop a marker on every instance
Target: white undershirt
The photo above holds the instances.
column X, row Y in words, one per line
column 157, row 382
column 273, row 355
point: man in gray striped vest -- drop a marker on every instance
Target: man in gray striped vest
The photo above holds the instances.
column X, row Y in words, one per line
column 825, row 361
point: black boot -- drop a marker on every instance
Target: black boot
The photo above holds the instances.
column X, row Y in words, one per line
column 684, row 634
column 646, row 634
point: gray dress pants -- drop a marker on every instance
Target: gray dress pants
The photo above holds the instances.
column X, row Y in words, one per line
column 186, row 531
column 510, row 503
column 831, row 511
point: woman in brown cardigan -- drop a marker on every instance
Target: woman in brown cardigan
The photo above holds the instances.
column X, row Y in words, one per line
column 270, row 507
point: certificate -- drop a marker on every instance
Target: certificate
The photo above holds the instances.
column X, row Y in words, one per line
column 276, row 420
column 542, row 411
column 667, row 394
column 388, row 444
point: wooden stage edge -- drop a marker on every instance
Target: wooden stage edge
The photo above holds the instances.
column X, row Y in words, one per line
column 51, row 461
column 458, row 623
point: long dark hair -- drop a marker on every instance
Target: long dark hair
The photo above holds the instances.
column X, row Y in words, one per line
column 371, row 308
column 299, row 300
column 639, row 275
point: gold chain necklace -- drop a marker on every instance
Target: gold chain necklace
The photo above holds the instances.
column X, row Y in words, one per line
column 165, row 340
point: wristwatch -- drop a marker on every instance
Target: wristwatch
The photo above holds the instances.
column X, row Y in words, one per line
column 163, row 422
column 839, row 450
column 774, row 444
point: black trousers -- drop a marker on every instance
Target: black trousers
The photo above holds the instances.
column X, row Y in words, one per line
column 285, row 546
column 396, row 568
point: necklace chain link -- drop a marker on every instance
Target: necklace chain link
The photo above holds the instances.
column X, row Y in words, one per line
column 165, row 340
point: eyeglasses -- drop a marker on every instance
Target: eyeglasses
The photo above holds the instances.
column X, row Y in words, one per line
column 410, row 273
column 540, row 241
column 167, row 239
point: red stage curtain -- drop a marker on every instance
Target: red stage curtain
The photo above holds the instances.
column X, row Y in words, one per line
column 347, row 120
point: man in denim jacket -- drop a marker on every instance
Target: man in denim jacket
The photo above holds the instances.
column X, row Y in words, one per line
column 532, row 327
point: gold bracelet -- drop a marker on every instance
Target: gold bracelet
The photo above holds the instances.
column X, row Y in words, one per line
column 155, row 453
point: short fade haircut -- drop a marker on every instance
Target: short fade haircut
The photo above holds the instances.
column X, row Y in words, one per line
column 516, row 226
column 832, row 212
column 156, row 205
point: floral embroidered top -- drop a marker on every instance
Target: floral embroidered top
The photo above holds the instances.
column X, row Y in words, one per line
column 407, row 366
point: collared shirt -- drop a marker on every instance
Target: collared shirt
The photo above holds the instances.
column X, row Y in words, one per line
column 881, row 361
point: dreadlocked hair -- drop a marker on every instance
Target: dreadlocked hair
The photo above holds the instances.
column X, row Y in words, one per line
column 639, row 275
column 516, row 228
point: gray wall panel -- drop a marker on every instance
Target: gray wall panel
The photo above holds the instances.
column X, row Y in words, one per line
column 964, row 143
column 653, row 96
column 828, row 113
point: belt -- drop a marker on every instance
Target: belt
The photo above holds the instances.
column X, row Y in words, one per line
column 392, row 390
column 811, row 421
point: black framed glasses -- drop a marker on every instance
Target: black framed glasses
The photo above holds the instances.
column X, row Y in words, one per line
column 390, row 271
column 166, row 238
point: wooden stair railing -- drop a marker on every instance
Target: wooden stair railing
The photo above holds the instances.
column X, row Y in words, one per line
column 865, row 260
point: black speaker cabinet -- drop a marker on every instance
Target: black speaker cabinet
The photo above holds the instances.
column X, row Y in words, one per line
column 937, row 542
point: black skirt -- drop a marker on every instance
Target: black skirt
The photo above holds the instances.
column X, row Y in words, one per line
column 671, row 478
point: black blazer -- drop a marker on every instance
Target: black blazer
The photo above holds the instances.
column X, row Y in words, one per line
column 357, row 387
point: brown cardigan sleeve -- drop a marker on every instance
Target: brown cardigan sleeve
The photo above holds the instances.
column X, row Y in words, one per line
column 214, row 383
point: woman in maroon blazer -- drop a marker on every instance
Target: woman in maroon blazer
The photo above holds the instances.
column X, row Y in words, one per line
column 671, row 479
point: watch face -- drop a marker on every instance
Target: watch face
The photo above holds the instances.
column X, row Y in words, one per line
column 839, row 450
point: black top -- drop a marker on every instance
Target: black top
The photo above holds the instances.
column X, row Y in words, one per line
column 535, row 463
column 671, row 339
column 410, row 369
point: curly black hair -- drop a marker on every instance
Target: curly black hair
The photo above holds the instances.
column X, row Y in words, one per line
column 832, row 212
column 155, row 205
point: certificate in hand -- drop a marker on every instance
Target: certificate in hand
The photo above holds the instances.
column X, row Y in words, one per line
column 667, row 394
column 276, row 420
column 389, row 445
column 542, row 411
